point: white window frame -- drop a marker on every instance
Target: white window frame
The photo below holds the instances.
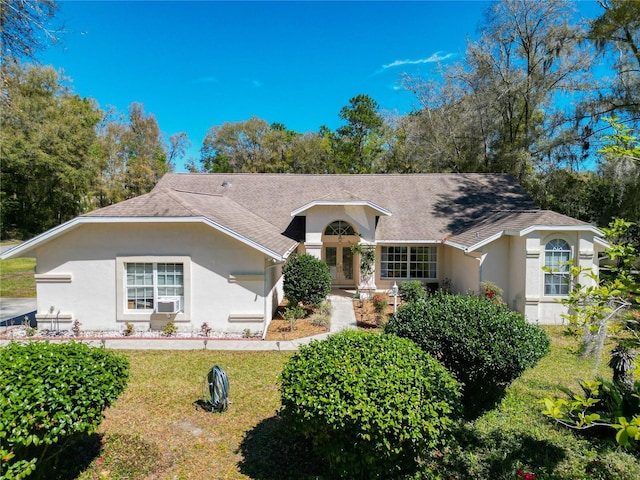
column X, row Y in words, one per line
column 126, row 314
column 559, row 266
column 406, row 259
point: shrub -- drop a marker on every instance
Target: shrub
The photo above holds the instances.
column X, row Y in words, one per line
column 50, row 394
column 129, row 329
column 411, row 291
column 205, row 329
column 307, row 280
column 319, row 320
column 371, row 404
column 485, row 345
column 169, row 329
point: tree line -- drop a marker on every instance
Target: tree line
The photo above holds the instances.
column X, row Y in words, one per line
column 527, row 98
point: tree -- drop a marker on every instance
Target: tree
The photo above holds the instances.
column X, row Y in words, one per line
column 497, row 111
column 357, row 145
column 609, row 305
column 616, row 34
column 132, row 156
column 179, row 143
column 25, row 29
column 46, row 140
column 250, row 146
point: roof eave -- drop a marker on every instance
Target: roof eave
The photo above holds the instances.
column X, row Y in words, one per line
column 562, row 228
column 373, row 206
column 49, row 235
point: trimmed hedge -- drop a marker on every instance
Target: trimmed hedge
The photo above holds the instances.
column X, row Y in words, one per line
column 371, row 404
column 50, row 393
column 485, row 345
column 307, row 280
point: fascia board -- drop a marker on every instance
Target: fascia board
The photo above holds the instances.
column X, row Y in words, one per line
column 562, row 228
column 602, row 242
column 39, row 239
column 478, row 245
column 71, row 224
column 373, row 206
column 455, row 245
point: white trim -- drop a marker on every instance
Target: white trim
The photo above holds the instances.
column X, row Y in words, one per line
column 526, row 231
column 246, row 277
column 336, row 203
column 562, row 228
column 486, row 241
column 602, row 242
column 412, row 242
column 53, row 277
column 246, row 317
column 74, row 223
column 124, row 315
column 51, row 317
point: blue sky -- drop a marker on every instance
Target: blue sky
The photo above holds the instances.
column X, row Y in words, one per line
column 199, row 64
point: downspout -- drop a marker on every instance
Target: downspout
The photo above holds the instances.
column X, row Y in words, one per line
column 275, row 263
column 480, row 260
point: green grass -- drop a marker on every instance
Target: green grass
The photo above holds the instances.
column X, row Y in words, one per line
column 156, row 430
column 17, row 278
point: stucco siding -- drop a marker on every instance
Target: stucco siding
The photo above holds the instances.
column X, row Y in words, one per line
column 494, row 266
column 226, row 276
column 544, row 308
column 463, row 271
column 517, row 274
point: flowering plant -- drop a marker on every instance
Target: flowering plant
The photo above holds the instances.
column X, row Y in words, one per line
column 525, row 476
column 380, row 302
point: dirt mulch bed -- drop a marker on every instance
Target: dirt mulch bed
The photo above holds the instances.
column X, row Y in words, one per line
column 280, row 329
column 366, row 316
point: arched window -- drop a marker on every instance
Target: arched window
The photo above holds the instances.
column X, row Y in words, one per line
column 557, row 254
column 339, row 228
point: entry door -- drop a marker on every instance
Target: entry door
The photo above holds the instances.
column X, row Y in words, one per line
column 340, row 261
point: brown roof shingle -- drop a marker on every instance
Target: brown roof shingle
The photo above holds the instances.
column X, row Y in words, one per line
column 424, row 207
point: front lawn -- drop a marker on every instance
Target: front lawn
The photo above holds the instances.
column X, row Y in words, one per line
column 17, row 278
column 155, row 429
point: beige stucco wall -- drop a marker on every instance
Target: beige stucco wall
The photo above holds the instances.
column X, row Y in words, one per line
column 362, row 218
column 462, row 270
column 503, row 264
column 546, row 309
column 226, row 276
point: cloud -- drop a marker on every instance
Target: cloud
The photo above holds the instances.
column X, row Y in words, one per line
column 436, row 57
column 256, row 83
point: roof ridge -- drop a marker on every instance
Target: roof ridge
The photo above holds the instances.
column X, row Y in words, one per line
column 196, row 193
column 190, row 208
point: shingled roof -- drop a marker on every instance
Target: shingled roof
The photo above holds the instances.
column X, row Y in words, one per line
column 459, row 208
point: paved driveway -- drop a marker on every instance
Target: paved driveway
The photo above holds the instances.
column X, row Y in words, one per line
column 13, row 310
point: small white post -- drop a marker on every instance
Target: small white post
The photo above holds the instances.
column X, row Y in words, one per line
column 394, row 291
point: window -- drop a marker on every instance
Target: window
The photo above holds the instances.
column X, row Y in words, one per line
column 557, row 254
column 339, row 228
column 408, row 262
column 146, row 282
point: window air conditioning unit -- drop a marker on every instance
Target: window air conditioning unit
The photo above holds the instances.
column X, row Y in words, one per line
column 168, row 305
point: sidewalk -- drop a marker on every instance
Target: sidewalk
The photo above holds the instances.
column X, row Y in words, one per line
column 342, row 318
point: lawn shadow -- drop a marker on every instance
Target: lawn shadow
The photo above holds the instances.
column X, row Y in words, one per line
column 501, row 452
column 273, row 451
column 70, row 458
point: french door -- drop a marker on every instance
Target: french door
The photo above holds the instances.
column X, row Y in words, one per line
column 340, row 261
